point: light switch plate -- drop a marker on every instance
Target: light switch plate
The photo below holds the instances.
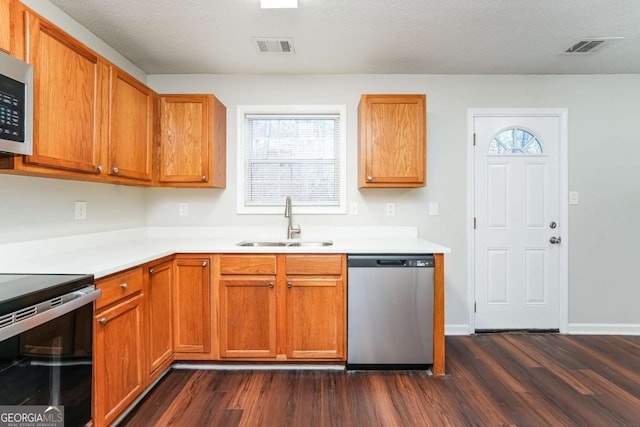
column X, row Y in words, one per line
column 80, row 210
column 183, row 209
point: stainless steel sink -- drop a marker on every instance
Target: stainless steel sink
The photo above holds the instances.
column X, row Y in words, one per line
column 260, row 244
column 311, row 243
column 288, row 243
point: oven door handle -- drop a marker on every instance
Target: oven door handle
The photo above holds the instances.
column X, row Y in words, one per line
column 83, row 297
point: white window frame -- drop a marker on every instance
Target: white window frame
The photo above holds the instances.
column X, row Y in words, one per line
column 244, row 110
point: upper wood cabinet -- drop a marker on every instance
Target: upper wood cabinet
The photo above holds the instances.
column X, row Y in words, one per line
column 192, row 146
column 5, row 25
column 130, row 127
column 67, row 86
column 392, row 141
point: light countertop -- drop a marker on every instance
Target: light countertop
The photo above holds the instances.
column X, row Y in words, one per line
column 105, row 253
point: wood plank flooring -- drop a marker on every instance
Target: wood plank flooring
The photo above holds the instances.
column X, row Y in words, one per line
column 492, row 380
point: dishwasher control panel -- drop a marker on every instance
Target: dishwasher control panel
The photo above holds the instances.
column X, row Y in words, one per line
column 428, row 262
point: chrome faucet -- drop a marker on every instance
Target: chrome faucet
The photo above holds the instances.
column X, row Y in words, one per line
column 288, row 214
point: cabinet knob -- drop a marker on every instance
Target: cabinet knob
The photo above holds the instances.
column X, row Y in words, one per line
column 100, row 168
column 271, row 285
column 103, row 321
column 203, row 177
column 369, row 178
column 151, row 271
column 125, row 285
column 116, row 170
column 204, row 263
column 289, row 285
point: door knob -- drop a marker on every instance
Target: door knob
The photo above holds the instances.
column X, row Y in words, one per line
column 555, row 240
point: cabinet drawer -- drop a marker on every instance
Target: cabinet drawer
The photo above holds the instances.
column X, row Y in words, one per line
column 247, row 264
column 314, row 264
column 119, row 286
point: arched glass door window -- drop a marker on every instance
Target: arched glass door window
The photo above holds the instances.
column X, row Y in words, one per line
column 515, row 141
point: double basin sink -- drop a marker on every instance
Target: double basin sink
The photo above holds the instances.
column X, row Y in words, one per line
column 285, row 243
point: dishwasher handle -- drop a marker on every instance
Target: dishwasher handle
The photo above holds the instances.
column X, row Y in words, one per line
column 391, row 262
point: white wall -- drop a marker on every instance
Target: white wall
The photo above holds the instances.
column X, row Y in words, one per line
column 604, row 148
column 37, row 208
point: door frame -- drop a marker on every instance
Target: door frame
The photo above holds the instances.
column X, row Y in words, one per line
column 563, row 203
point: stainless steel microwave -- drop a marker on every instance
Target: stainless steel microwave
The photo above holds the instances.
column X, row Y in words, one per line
column 16, row 106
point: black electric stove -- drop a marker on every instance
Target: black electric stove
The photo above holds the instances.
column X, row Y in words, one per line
column 18, row 291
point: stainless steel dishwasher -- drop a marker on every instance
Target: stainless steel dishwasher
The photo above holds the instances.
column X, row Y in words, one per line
column 390, row 311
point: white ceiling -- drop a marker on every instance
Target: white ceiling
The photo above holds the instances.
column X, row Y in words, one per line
column 367, row 36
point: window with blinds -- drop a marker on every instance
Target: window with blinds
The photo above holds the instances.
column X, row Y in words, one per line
column 293, row 152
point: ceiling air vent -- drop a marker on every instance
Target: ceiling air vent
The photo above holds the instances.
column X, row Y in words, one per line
column 590, row 45
column 274, row 45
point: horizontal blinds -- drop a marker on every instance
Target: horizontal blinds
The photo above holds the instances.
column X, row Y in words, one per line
column 292, row 155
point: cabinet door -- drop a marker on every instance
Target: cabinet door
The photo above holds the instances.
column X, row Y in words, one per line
column 67, row 85
column 191, row 307
column 315, row 318
column 247, row 316
column 130, row 127
column 159, row 324
column 392, row 140
column 5, row 25
column 118, row 369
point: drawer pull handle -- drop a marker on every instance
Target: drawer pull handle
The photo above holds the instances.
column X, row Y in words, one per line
column 271, row 285
column 103, row 321
column 204, row 263
column 289, row 285
column 125, row 285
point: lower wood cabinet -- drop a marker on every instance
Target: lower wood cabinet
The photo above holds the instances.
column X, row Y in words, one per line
column 248, row 316
column 282, row 307
column 158, row 318
column 191, row 299
column 118, row 359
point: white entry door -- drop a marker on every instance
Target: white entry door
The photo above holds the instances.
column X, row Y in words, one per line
column 517, row 225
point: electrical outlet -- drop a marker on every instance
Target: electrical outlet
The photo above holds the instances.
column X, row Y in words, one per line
column 183, row 209
column 80, row 210
column 573, row 198
column 433, row 208
column 353, row 208
column 391, row 209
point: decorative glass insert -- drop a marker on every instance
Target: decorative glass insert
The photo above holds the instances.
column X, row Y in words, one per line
column 515, row 141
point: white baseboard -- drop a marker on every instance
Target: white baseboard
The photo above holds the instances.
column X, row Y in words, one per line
column 603, row 329
column 456, row 330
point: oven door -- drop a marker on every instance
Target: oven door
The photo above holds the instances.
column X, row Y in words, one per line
column 49, row 361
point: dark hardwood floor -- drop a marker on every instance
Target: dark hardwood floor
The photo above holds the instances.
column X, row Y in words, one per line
column 493, row 380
